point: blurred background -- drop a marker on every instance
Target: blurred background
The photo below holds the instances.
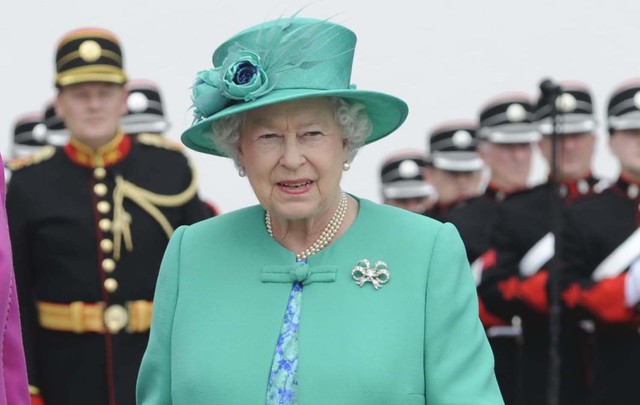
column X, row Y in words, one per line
column 445, row 59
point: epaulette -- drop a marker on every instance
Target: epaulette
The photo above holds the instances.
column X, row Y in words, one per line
column 43, row 154
column 159, row 141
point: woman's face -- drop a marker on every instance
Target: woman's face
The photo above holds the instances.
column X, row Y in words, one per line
column 293, row 154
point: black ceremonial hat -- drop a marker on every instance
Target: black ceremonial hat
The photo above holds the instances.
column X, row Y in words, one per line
column 29, row 134
column 145, row 111
column 453, row 147
column 89, row 55
column 623, row 111
column 508, row 119
column 402, row 176
column 57, row 132
column 574, row 109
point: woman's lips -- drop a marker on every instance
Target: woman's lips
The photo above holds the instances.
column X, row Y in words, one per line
column 295, row 187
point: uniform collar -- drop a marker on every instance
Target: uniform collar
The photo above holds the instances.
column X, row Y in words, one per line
column 495, row 193
column 570, row 189
column 107, row 155
column 630, row 187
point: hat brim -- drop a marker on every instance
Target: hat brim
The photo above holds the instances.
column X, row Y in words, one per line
column 91, row 76
column 139, row 123
column 625, row 122
column 508, row 138
column 408, row 189
column 457, row 161
column 568, row 126
column 387, row 113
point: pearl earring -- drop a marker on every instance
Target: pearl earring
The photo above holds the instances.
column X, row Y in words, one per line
column 346, row 166
column 242, row 172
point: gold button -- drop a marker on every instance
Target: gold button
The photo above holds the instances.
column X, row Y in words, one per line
column 111, row 285
column 108, row 265
column 99, row 173
column 105, row 224
column 106, row 245
column 100, row 190
column 104, row 207
column 115, row 318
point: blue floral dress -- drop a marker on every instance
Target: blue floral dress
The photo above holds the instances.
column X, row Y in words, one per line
column 282, row 379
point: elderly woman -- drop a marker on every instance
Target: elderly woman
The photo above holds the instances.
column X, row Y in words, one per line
column 314, row 296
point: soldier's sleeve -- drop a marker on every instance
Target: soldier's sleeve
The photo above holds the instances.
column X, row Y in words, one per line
column 604, row 299
column 500, row 285
column 18, row 218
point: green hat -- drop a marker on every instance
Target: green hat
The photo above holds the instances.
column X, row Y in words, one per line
column 283, row 60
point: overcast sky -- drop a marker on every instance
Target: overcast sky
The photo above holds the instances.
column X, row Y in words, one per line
column 445, row 59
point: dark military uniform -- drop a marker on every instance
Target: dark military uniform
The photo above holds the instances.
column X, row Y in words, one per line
column 89, row 229
column 595, row 228
column 475, row 219
column 88, row 234
column 517, row 284
column 524, row 245
column 506, row 120
column 602, row 259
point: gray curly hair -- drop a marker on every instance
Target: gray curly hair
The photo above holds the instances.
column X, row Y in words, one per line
column 352, row 118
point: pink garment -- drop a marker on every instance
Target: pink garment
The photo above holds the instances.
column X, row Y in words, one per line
column 14, row 388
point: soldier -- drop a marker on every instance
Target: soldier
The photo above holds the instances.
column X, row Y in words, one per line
column 145, row 110
column 601, row 252
column 403, row 183
column 507, row 134
column 524, row 244
column 89, row 223
column 455, row 168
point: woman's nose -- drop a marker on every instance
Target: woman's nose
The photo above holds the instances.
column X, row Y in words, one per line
column 292, row 154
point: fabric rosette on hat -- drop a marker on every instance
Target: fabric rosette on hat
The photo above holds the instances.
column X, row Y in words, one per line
column 278, row 61
column 240, row 78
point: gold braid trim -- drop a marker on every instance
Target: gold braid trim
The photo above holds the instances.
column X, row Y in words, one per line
column 149, row 202
column 41, row 155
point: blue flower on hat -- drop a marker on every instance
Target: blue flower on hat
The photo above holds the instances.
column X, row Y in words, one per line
column 241, row 78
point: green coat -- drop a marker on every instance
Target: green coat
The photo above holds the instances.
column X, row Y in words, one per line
column 223, row 290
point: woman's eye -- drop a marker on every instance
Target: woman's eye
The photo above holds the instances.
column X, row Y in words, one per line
column 312, row 133
column 268, row 136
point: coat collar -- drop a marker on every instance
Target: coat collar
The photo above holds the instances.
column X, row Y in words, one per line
column 299, row 271
column 629, row 187
column 107, row 155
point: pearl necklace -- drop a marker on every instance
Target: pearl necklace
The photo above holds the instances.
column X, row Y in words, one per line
column 327, row 234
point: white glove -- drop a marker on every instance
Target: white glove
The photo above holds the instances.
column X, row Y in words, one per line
column 632, row 284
